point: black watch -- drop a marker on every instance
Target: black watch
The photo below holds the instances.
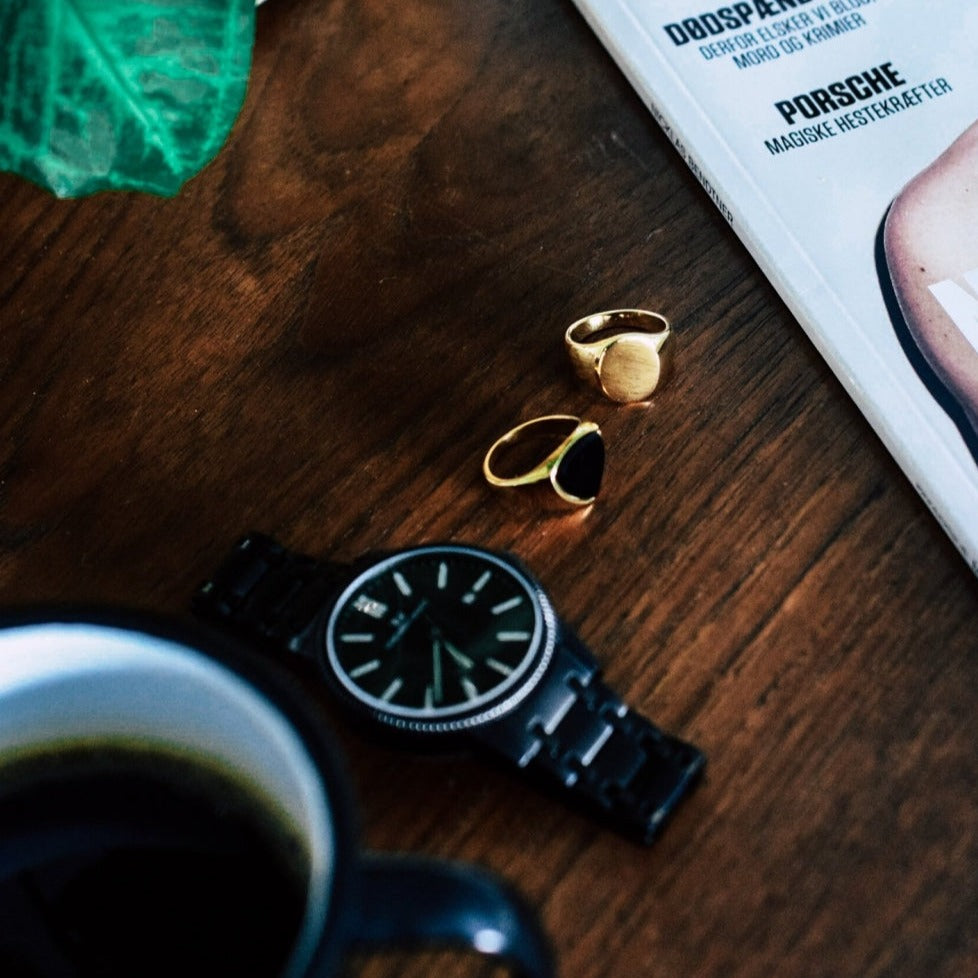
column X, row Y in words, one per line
column 452, row 641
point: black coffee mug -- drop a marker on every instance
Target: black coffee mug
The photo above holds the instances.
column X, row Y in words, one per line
column 172, row 806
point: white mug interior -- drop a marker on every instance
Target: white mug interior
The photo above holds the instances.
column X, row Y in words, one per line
column 62, row 682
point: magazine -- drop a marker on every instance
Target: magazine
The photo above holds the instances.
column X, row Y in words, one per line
column 840, row 140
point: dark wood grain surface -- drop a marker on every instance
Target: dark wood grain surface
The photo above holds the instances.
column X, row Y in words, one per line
column 321, row 336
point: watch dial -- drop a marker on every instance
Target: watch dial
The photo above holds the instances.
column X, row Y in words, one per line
column 435, row 633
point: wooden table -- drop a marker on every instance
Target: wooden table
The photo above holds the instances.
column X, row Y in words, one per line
column 321, row 336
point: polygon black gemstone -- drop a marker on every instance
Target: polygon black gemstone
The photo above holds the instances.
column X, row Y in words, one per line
column 580, row 470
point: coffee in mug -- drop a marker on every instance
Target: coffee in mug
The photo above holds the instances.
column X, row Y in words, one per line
column 170, row 807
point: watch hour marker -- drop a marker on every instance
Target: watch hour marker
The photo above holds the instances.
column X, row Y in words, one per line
column 402, row 585
column 357, row 637
column 471, row 691
column 507, row 605
column 463, row 660
column 367, row 667
column 500, row 667
column 392, row 690
column 512, row 636
column 442, row 576
column 483, row 580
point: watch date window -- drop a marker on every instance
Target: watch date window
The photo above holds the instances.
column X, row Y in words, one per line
column 371, row 607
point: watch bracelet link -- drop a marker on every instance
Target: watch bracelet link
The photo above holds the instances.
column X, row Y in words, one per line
column 264, row 591
column 592, row 747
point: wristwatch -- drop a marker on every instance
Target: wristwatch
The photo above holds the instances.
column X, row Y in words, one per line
column 447, row 643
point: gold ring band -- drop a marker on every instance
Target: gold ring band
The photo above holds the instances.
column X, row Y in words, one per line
column 572, row 459
column 625, row 353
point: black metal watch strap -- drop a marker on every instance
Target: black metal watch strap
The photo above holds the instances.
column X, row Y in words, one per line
column 585, row 741
column 263, row 591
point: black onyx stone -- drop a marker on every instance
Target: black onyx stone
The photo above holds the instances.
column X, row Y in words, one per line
column 580, row 470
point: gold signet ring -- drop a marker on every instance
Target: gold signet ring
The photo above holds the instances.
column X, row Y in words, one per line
column 559, row 449
column 625, row 353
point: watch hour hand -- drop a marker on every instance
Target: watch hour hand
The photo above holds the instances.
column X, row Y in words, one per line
column 464, row 662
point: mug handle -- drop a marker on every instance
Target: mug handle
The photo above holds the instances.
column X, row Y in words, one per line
column 411, row 902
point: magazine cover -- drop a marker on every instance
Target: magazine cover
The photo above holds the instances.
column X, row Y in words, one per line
column 840, row 140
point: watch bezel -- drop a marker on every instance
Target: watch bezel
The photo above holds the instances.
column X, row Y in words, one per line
column 459, row 717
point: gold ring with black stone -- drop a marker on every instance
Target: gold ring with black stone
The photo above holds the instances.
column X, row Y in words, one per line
column 559, row 449
column 625, row 353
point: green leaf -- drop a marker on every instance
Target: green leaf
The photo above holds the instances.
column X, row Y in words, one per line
column 119, row 94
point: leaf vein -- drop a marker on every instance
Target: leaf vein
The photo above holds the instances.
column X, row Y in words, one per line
column 123, row 89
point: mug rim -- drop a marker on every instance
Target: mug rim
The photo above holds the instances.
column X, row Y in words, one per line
column 286, row 695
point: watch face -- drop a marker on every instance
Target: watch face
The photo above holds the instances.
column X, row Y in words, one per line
column 439, row 637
